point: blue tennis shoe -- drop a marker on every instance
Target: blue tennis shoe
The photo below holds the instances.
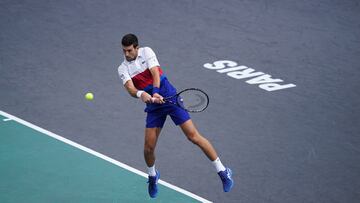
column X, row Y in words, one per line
column 226, row 179
column 153, row 188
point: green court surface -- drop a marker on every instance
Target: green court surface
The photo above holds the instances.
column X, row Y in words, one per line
column 39, row 166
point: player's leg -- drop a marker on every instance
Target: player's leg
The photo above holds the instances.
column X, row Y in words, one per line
column 151, row 137
column 154, row 123
column 182, row 118
column 195, row 137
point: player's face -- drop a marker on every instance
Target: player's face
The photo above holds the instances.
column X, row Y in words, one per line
column 130, row 52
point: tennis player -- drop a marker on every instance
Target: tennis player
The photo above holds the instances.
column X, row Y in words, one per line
column 143, row 78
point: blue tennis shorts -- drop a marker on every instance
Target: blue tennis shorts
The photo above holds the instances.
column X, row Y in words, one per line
column 156, row 119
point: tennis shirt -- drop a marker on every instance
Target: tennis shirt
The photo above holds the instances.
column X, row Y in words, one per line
column 138, row 71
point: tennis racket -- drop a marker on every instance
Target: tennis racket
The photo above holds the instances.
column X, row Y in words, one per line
column 192, row 100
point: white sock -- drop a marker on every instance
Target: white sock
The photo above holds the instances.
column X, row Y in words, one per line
column 218, row 165
column 152, row 171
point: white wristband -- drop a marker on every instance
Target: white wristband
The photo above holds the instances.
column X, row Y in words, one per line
column 139, row 93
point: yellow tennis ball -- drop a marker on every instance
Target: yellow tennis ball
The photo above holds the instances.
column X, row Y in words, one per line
column 89, row 96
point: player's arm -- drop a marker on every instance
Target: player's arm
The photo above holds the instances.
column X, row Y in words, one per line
column 156, row 76
column 130, row 87
column 156, row 84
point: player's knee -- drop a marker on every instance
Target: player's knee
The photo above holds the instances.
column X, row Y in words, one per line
column 194, row 137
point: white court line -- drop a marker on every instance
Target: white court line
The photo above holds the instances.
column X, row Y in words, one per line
column 7, row 119
column 95, row 153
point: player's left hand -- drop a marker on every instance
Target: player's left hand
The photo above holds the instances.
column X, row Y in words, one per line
column 157, row 98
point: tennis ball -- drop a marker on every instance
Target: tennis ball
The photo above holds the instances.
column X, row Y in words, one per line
column 89, row 96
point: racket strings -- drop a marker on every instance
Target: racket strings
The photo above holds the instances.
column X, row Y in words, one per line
column 193, row 100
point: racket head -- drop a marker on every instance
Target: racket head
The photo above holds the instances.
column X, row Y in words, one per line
column 193, row 100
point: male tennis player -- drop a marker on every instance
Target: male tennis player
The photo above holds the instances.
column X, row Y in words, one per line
column 143, row 78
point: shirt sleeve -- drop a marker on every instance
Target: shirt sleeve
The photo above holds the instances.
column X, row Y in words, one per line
column 150, row 58
column 123, row 73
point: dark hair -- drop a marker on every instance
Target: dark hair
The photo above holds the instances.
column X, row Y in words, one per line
column 129, row 39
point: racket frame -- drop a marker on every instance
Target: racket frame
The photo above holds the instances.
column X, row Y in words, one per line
column 168, row 99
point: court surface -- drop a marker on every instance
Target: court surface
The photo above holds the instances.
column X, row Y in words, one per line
column 40, row 166
column 297, row 144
